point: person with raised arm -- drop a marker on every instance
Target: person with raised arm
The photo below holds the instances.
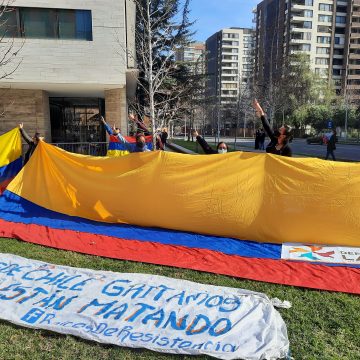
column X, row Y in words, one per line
column 119, row 146
column 279, row 143
column 31, row 141
column 221, row 148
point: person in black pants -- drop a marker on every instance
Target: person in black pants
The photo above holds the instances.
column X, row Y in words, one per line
column 279, row 143
column 221, row 148
column 164, row 136
column 31, row 141
column 262, row 139
column 257, row 139
column 331, row 146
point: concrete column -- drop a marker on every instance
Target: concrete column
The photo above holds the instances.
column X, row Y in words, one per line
column 28, row 106
column 116, row 109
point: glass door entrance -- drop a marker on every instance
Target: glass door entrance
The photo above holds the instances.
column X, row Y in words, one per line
column 77, row 120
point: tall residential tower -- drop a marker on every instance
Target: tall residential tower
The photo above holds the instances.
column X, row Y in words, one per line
column 230, row 63
column 327, row 30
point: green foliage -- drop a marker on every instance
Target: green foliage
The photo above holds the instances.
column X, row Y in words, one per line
column 314, row 115
column 299, row 94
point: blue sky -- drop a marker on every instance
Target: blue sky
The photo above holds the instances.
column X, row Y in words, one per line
column 213, row 15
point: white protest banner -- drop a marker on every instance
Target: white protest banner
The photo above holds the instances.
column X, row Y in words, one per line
column 143, row 311
column 321, row 253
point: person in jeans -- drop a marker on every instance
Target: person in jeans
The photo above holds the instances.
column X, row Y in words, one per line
column 331, row 146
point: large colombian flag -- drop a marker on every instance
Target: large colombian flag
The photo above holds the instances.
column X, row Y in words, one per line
column 10, row 157
column 255, row 216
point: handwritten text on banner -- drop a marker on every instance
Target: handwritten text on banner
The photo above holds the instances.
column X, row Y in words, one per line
column 143, row 311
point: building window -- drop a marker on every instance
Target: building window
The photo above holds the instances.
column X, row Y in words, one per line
column 230, row 36
column 337, row 61
column 324, row 29
column 341, row 19
column 338, row 51
column 324, row 40
column 9, row 26
column 322, row 61
column 38, row 23
column 325, row 7
column 341, row 8
column 340, row 30
column 321, row 72
column 230, row 43
column 339, row 40
column 322, row 50
column 325, row 18
column 354, row 61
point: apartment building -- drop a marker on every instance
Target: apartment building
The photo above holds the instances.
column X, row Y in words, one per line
column 72, row 67
column 325, row 30
column 351, row 78
column 230, row 63
column 193, row 52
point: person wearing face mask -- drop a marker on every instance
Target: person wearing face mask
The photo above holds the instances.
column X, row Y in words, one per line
column 221, row 148
column 279, row 142
column 31, row 141
column 140, row 145
column 119, row 146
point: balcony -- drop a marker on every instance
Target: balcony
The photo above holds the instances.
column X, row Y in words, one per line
column 300, row 4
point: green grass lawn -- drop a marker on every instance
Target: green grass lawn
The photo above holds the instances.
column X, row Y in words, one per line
column 321, row 325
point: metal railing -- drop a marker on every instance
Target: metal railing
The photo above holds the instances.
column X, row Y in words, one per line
column 84, row 148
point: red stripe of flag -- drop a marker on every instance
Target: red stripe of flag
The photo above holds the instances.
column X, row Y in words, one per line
column 344, row 279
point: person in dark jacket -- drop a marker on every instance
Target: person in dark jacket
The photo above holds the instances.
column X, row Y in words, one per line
column 262, row 139
column 31, row 141
column 279, row 143
column 331, row 146
column 257, row 139
column 164, row 136
column 221, row 148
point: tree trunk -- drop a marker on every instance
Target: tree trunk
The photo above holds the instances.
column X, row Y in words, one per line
column 150, row 75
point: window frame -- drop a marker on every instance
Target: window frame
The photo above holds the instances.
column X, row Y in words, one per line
column 20, row 31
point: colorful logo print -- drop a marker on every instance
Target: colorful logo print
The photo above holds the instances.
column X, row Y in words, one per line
column 314, row 253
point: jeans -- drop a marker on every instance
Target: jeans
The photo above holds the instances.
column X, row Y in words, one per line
column 330, row 152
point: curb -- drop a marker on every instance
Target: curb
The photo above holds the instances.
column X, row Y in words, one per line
column 180, row 149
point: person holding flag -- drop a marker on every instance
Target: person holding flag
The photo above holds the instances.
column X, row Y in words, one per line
column 31, row 141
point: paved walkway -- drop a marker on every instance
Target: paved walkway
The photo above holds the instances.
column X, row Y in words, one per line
column 301, row 148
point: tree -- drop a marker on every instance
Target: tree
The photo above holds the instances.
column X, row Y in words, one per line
column 163, row 84
column 9, row 49
column 294, row 89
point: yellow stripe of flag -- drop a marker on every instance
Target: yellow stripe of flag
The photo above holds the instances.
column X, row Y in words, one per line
column 10, row 147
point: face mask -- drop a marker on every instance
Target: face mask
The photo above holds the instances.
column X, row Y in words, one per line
column 222, row 151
